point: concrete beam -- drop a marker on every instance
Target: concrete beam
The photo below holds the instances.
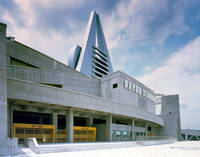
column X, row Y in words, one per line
column 70, row 125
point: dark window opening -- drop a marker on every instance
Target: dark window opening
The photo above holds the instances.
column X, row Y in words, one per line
column 96, row 74
column 149, row 128
column 98, row 60
column 100, row 71
column 14, row 61
column 115, row 85
column 99, row 51
column 121, row 122
column 99, row 121
column 61, row 122
column 98, row 65
column 101, row 56
column 53, row 85
column 79, row 121
column 31, row 117
column 170, row 113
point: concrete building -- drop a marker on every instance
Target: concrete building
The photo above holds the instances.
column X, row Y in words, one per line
column 93, row 59
column 43, row 98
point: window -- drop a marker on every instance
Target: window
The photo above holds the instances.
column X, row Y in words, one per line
column 126, row 84
column 133, row 86
column 137, row 89
column 140, row 90
column 130, row 85
column 124, row 133
column 115, row 85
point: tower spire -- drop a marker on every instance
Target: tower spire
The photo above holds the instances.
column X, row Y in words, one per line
column 94, row 58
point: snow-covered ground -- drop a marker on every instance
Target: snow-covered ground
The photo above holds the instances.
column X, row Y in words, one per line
column 178, row 149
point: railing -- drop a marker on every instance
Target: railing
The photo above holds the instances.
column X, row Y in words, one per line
column 152, row 138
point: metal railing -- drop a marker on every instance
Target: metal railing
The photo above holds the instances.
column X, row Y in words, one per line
column 152, row 138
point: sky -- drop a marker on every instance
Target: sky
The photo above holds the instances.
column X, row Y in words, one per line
column 155, row 41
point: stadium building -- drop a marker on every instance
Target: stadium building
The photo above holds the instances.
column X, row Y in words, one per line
column 84, row 101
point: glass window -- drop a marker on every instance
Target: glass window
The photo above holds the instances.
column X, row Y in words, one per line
column 118, row 133
column 124, row 133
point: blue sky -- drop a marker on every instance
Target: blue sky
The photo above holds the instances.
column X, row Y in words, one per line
column 154, row 41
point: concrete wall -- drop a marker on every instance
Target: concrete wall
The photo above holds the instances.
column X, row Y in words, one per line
column 170, row 113
column 28, row 55
column 7, row 146
column 126, row 96
column 3, row 90
column 24, row 90
column 71, row 81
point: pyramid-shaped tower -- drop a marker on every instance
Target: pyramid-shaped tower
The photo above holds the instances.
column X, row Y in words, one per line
column 93, row 59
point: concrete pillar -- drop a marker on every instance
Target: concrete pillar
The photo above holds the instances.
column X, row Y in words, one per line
column 70, row 125
column 133, row 129
column 170, row 113
column 186, row 137
column 55, row 123
column 146, row 129
column 109, row 128
column 89, row 121
column 55, row 120
column 3, row 90
column 10, row 120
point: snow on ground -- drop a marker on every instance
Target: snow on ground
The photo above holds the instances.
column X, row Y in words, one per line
column 178, row 149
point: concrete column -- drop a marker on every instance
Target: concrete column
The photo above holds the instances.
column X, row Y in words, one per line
column 109, row 128
column 186, row 137
column 133, row 129
column 55, row 120
column 170, row 113
column 10, row 120
column 89, row 121
column 70, row 125
column 146, row 130
column 3, row 89
column 55, row 123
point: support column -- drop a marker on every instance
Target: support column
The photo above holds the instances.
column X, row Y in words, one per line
column 55, row 120
column 133, row 129
column 55, row 123
column 146, row 131
column 89, row 121
column 109, row 128
column 3, row 91
column 10, row 120
column 70, row 125
column 186, row 137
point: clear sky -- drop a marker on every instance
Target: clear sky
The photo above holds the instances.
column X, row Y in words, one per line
column 154, row 41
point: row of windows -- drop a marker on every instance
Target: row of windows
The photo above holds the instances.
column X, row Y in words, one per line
column 137, row 89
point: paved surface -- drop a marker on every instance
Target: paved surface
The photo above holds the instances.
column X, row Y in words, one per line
column 179, row 149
